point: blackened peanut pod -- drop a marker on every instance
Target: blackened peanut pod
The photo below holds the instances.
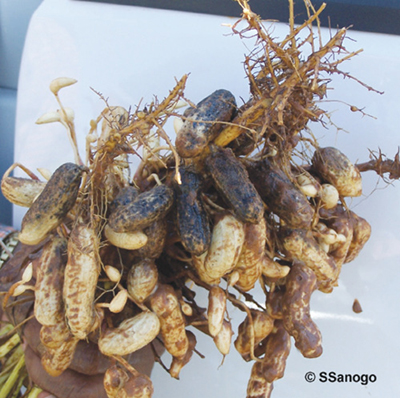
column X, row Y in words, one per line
column 148, row 207
column 49, row 305
column 232, row 181
column 125, row 196
column 300, row 284
column 50, row 208
column 80, row 280
column 280, row 194
column 335, row 168
column 204, row 122
column 192, row 220
column 164, row 302
column 142, row 279
column 156, row 235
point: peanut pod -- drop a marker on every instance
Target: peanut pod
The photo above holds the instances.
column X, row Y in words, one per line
column 148, row 207
column 50, row 208
column 216, row 309
column 56, row 360
column 224, row 338
column 178, row 363
column 131, row 335
column 249, row 265
column 258, row 386
column 232, row 182
column 164, row 302
column 80, row 280
column 361, row 234
column 299, row 244
column 335, row 168
column 280, row 194
column 300, row 284
column 142, row 279
column 21, row 191
column 226, row 244
column 276, row 352
column 259, row 327
column 192, row 220
column 49, row 305
column 118, row 384
column 203, row 123
column 156, row 236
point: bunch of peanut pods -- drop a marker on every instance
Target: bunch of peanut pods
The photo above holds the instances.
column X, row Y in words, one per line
column 223, row 207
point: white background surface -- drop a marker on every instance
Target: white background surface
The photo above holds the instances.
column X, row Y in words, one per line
column 130, row 53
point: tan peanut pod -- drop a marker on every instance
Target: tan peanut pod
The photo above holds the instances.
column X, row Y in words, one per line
column 249, row 264
column 361, row 234
column 338, row 251
column 261, row 326
column 198, row 263
column 258, row 386
column 300, row 284
column 276, row 352
column 224, row 338
column 114, row 379
column 226, row 244
column 52, row 205
column 300, row 245
column 21, row 191
column 138, row 386
column 56, row 360
column 335, row 168
column 178, row 363
column 118, row 384
column 125, row 240
column 164, row 302
column 216, row 309
column 49, row 305
column 142, row 279
column 272, row 269
column 53, row 336
column 131, row 335
column 80, row 280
